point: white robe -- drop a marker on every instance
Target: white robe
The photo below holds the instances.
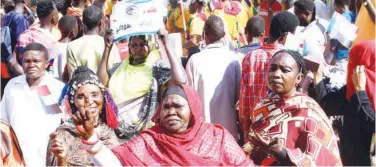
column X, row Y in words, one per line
column 30, row 116
column 215, row 74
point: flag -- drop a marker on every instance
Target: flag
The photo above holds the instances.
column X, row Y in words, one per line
column 341, row 29
column 47, row 100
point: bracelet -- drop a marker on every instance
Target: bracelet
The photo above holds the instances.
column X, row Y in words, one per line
column 94, row 148
column 92, row 140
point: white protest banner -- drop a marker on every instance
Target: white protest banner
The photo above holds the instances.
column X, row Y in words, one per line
column 137, row 17
column 341, row 29
column 294, row 43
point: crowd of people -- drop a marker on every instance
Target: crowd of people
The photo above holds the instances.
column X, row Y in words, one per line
column 244, row 92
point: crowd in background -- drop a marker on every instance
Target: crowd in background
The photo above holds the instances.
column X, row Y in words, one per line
column 241, row 94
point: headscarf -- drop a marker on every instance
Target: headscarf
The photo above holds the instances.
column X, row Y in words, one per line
column 362, row 54
column 81, row 76
column 154, row 146
column 133, row 81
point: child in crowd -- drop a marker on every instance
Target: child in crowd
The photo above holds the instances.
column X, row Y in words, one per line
column 69, row 28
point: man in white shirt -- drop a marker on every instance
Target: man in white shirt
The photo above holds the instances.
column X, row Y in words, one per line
column 315, row 28
column 215, row 74
column 30, row 105
column 322, row 9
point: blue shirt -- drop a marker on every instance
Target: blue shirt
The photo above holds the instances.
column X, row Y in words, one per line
column 350, row 16
column 250, row 47
column 18, row 23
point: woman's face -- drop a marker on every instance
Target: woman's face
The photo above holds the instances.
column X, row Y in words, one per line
column 175, row 114
column 283, row 74
column 138, row 48
column 90, row 97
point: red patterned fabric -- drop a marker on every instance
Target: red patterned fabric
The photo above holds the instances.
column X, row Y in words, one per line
column 362, row 54
column 264, row 8
column 76, row 12
column 302, row 128
column 36, row 34
column 202, row 144
column 253, row 82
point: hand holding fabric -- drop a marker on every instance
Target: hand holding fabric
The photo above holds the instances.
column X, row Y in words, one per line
column 359, row 78
column 319, row 74
column 59, row 148
column 273, row 147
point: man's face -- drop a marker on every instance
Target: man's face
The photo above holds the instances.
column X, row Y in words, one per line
column 34, row 64
column 302, row 15
column 193, row 7
column 54, row 17
column 173, row 2
column 103, row 27
column 75, row 31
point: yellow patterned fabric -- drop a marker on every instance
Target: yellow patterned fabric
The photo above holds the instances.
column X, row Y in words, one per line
column 175, row 20
column 132, row 81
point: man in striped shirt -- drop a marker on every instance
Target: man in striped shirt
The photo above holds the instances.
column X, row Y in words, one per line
column 255, row 66
column 40, row 33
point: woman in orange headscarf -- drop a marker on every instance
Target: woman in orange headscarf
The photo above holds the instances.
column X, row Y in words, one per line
column 181, row 138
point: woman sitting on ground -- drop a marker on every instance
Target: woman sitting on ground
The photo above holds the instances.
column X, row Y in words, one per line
column 290, row 128
column 181, row 138
column 83, row 93
column 137, row 82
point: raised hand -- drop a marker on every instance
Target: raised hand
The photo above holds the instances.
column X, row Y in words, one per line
column 319, row 74
column 58, row 147
column 359, row 78
column 108, row 39
column 84, row 121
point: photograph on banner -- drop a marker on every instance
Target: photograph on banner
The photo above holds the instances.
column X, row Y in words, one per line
column 137, row 17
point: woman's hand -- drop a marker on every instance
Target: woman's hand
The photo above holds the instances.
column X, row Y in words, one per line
column 318, row 75
column 108, row 39
column 359, row 78
column 271, row 148
column 58, row 147
column 163, row 35
column 84, row 121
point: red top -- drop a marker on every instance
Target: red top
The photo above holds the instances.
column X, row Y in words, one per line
column 254, row 84
column 202, row 144
column 362, row 54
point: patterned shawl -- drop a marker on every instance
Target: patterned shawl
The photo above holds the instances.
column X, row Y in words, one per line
column 77, row 155
column 202, row 144
column 135, row 114
column 301, row 126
